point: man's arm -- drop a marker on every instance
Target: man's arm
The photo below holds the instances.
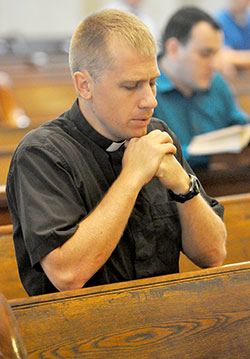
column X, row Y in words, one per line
column 78, row 259
column 203, row 232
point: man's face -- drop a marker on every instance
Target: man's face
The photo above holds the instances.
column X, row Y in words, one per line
column 197, row 59
column 123, row 99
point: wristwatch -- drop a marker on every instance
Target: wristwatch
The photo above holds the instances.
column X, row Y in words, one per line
column 194, row 189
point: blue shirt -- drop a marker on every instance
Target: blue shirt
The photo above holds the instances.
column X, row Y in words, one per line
column 203, row 112
column 236, row 36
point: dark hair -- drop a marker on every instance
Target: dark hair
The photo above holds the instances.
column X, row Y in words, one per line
column 181, row 23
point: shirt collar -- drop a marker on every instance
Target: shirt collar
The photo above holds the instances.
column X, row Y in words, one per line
column 84, row 126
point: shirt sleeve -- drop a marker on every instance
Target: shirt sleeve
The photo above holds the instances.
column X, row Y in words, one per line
column 46, row 199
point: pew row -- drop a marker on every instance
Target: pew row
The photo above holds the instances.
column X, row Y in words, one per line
column 5, row 217
column 198, row 315
column 228, row 173
column 10, row 283
column 42, row 92
column 237, row 220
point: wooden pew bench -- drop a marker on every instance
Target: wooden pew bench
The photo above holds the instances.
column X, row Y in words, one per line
column 10, row 283
column 200, row 315
column 9, row 139
column 229, row 173
column 5, row 217
column 42, row 92
column 237, row 220
column 11, row 341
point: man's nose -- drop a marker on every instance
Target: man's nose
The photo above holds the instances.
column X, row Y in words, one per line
column 148, row 99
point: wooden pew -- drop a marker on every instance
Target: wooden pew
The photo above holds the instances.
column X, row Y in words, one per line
column 11, row 115
column 43, row 92
column 228, row 173
column 237, row 221
column 5, row 217
column 11, row 341
column 10, row 283
column 196, row 315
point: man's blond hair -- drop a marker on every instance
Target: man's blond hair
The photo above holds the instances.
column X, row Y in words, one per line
column 91, row 43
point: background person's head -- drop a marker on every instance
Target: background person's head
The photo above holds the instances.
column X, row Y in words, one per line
column 190, row 43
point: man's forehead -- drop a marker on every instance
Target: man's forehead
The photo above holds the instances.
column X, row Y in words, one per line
column 204, row 30
column 135, row 76
column 204, row 35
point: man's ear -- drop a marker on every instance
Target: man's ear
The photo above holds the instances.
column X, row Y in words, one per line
column 172, row 47
column 82, row 81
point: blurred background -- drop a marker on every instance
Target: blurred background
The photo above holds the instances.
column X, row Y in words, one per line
column 35, row 81
column 58, row 18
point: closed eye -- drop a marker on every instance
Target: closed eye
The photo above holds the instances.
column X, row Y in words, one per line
column 136, row 85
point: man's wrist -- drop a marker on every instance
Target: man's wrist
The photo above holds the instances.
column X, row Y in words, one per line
column 194, row 190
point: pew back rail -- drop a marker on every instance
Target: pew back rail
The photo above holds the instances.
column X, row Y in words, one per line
column 204, row 314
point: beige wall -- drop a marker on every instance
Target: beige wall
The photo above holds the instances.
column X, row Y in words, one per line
column 35, row 18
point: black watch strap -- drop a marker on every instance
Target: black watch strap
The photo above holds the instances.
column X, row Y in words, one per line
column 194, row 189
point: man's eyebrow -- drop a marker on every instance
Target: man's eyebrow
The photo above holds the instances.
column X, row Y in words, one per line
column 208, row 50
column 139, row 79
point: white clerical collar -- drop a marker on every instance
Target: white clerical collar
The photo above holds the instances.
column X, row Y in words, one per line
column 115, row 146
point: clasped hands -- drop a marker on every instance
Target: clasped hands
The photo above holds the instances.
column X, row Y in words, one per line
column 153, row 155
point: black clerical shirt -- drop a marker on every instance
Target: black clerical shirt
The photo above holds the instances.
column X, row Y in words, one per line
column 58, row 175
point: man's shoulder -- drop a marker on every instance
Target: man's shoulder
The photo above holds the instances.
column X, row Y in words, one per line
column 47, row 137
column 220, row 83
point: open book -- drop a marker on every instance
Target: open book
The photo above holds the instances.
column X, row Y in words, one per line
column 231, row 139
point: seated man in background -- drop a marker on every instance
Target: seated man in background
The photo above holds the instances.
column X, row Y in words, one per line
column 192, row 97
column 235, row 22
column 103, row 194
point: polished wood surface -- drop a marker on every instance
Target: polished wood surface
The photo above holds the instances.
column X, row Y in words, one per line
column 228, row 174
column 196, row 315
column 10, row 283
column 5, row 217
column 42, row 92
column 11, row 341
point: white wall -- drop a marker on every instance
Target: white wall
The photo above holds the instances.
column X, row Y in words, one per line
column 58, row 18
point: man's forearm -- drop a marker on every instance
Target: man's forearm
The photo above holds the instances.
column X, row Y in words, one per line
column 203, row 233
column 78, row 259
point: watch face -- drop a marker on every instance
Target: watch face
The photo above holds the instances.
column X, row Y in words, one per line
column 194, row 189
